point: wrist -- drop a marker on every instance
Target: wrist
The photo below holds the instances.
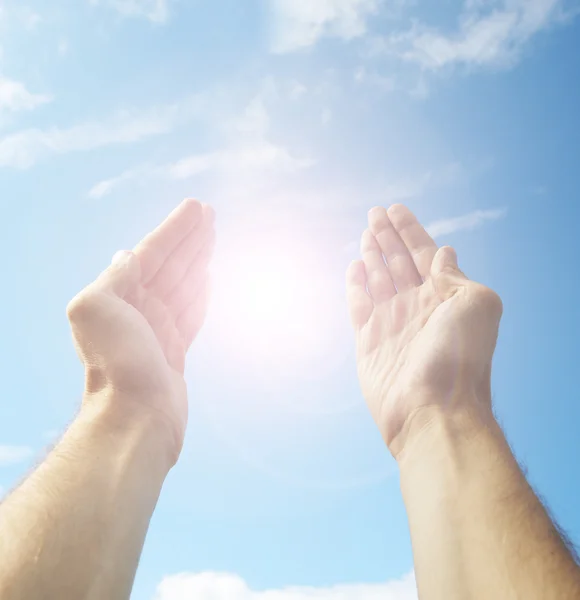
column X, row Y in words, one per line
column 436, row 425
column 118, row 418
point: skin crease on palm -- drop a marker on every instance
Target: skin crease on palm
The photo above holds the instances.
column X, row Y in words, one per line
column 133, row 326
column 425, row 333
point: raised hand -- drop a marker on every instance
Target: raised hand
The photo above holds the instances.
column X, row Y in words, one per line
column 425, row 333
column 134, row 324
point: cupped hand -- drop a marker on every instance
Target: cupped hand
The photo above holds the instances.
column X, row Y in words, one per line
column 134, row 324
column 425, row 333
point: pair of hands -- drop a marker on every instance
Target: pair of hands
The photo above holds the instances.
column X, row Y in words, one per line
column 425, row 334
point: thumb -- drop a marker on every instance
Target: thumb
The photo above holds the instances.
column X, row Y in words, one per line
column 446, row 273
column 122, row 275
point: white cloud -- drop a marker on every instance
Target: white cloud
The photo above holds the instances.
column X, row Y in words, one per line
column 489, row 34
column 15, row 97
column 156, row 11
column 383, row 82
column 223, row 586
column 247, row 154
column 23, row 149
column 105, row 187
column 12, row 455
column 299, row 24
column 465, row 222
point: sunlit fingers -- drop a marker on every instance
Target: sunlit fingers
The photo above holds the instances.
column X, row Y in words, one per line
column 192, row 318
column 193, row 282
column 194, row 248
column 360, row 303
column 404, row 273
column 420, row 244
column 158, row 246
column 379, row 282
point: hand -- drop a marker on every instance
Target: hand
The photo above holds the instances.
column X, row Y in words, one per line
column 425, row 333
column 132, row 327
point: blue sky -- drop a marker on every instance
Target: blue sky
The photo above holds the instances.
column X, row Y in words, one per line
column 293, row 118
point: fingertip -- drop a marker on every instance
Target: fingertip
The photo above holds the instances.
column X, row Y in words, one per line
column 356, row 273
column 376, row 212
column 191, row 207
column 378, row 219
column 400, row 216
column 445, row 260
column 367, row 240
column 397, row 208
column 124, row 258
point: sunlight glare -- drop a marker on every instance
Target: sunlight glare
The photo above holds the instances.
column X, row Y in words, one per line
column 273, row 305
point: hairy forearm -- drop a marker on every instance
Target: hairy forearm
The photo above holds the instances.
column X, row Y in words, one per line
column 477, row 528
column 75, row 528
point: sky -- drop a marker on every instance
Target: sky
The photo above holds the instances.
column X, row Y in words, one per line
column 292, row 118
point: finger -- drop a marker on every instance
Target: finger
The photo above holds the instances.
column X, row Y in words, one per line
column 360, row 303
column 171, row 274
column 379, row 282
column 192, row 282
column 191, row 320
column 401, row 266
column 420, row 244
column 157, row 246
column 446, row 273
column 164, row 328
column 122, row 276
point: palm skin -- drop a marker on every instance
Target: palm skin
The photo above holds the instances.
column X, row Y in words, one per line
column 134, row 324
column 425, row 334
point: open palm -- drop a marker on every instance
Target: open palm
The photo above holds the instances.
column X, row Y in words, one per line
column 425, row 333
column 133, row 325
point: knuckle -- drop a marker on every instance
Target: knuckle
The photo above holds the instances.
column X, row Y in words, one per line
column 490, row 299
column 80, row 306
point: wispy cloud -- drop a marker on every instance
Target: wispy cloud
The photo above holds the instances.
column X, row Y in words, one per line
column 156, row 11
column 419, row 185
column 223, row 586
column 466, row 222
column 24, row 148
column 15, row 97
column 489, row 34
column 12, row 455
column 248, row 152
column 299, row 24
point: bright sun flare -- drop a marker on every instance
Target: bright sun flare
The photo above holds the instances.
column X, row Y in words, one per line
column 274, row 306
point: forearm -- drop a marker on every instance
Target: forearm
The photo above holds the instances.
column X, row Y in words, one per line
column 477, row 528
column 75, row 528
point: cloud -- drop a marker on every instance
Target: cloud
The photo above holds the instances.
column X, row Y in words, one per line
column 465, row 222
column 23, row 149
column 299, row 24
column 12, row 455
column 415, row 187
column 489, row 34
column 15, row 97
column 156, row 11
column 247, row 154
column 223, row 586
